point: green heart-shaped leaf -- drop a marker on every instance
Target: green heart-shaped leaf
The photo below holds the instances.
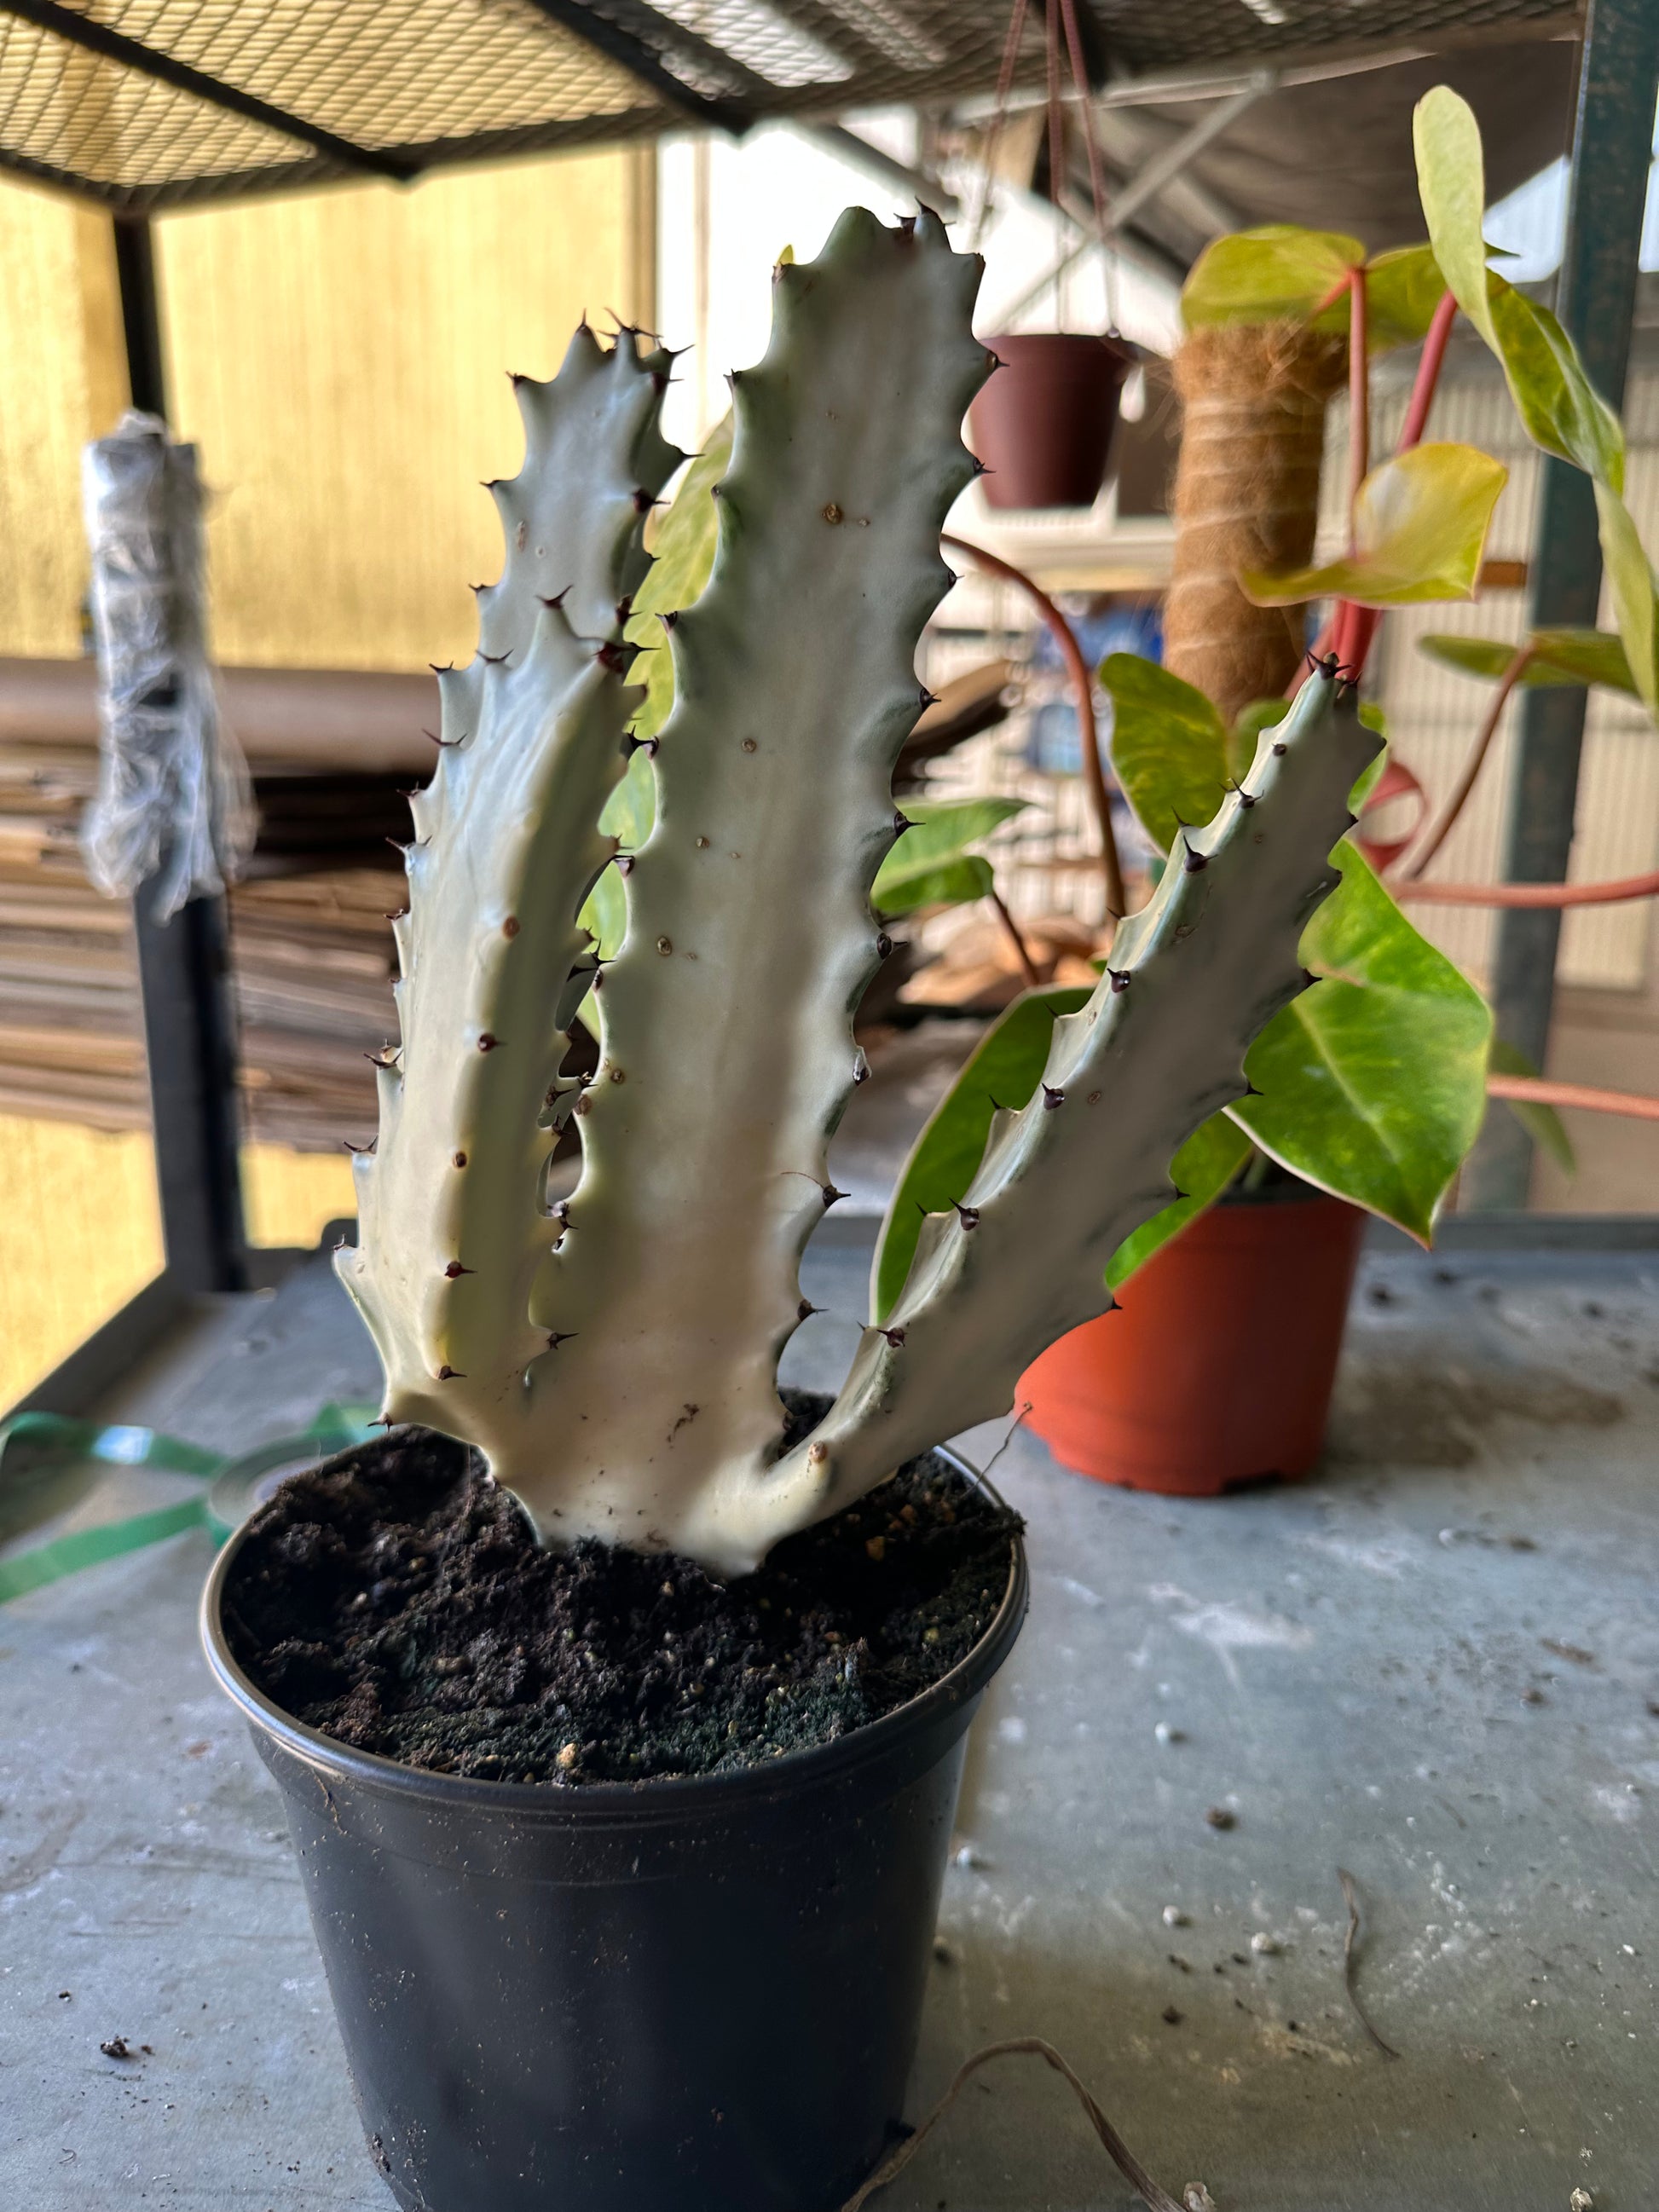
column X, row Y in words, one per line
column 1403, row 288
column 929, row 864
column 1373, row 1081
column 1541, row 1123
column 1202, row 1169
column 1276, row 272
column 1559, row 656
column 1005, row 1070
column 1419, row 522
column 1168, row 746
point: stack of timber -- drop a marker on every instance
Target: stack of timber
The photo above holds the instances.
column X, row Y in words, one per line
column 333, row 756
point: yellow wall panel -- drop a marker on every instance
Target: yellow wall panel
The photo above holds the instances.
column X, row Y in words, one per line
column 63, row 380
column 340, row 356
column 80, row 1233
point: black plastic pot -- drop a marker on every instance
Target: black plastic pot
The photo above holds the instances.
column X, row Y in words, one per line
column 691, row 1996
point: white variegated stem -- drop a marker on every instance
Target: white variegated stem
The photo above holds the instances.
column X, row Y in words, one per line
column 727, row 1046
column 1159, row 1047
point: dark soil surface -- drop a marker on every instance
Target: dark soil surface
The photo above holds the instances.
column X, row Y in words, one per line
column 397, row 1600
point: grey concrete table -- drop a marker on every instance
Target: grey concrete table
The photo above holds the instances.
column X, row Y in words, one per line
column 1435, row 1665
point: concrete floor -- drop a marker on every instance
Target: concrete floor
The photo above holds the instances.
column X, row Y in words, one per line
column 1435, row 1664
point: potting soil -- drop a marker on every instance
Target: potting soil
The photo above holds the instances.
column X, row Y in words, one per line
column 398, row 1600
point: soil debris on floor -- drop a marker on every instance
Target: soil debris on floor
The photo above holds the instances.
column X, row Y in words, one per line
column 397, row 1600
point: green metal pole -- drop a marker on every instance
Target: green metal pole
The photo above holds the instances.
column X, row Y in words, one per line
column 1607, row 198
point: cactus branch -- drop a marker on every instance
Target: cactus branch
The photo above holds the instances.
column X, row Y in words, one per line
column 1160, row 1047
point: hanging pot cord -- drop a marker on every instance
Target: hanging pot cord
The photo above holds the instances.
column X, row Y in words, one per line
column 1060, row 19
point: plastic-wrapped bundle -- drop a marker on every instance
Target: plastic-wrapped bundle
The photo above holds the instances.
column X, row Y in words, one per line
column 173, row 795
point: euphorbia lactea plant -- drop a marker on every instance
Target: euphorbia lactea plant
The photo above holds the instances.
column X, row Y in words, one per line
column 615, row 1358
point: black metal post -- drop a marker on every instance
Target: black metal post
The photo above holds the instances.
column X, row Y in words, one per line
column 1607, row 198
column 183, row 973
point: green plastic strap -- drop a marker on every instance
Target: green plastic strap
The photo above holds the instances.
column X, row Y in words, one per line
column 122, row 1445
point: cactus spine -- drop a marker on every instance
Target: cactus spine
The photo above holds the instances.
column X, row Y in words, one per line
column 617, row 1360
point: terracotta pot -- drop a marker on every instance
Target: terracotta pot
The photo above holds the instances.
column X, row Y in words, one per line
column 1218, row 1368
column 1043, row 423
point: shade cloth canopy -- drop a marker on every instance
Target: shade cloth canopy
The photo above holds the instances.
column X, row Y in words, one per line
column 142, row 104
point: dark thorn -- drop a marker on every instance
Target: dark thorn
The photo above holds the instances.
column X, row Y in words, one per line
column 368, row 1147
column 1182, row 1195
column 561, row 1213
column 624, row 608
column 494, row 483
column 997, row 1107
column 660, row 380
column 805, row 1309
column 455, row 1269
column 671, row 619
column 1280, row 751
column 901, row 821
column 951, row 579
column 612, row 656
column 895, row 1336
column 382, row 1421
column 1052, row 1098
column 861, row 1072
column 968, row 1215
column 477, row 587
column 460, row 1159
column 884, row 945
column 927, row 698
column 493, row 660
column 386, row 1057
column 451, row 1375
column 559, row 1336
column 448, row 668
column 907, row 224
column 443, row 744
column 1120, row 977
column 1250, row 1091
column 993, row 362
column 398, row 913
column 831, row 1194
column 558, row 598
column 643, row 502
column 1245, row 798
column 982, row 467
column 486, row 1042
column 515, row 377
column 1192, row 860
column 599, row 979
column 1308, row 978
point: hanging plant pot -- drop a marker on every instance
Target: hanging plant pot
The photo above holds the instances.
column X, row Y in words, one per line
column 699, row 1993
column 1043, row 423
column 1218, row 1367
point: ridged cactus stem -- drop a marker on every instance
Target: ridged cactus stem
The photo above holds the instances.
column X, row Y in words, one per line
column 728, row 1052
column 505, row 847
column 1159, row 1047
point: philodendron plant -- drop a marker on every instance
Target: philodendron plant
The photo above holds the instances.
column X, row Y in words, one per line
column 616, row 1357
column 1371, row 1084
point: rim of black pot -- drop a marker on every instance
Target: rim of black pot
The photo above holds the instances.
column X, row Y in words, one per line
column 670, row 1795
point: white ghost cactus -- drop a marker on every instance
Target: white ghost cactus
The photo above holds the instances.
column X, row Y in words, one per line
column 615, row 1358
